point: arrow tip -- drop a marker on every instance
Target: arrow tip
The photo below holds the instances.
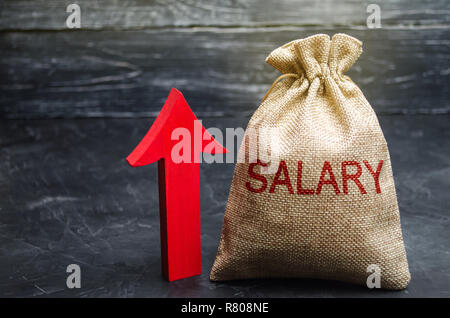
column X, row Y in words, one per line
column 175, row 93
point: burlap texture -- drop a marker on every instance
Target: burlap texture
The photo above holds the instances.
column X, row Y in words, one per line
column 320, row 116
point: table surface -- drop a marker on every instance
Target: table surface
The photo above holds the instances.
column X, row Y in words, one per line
column 68, row 196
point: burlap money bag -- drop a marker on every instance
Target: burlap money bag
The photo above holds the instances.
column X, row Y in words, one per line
column 330, row 209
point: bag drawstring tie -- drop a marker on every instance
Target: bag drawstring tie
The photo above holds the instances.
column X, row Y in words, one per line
column 276, row 82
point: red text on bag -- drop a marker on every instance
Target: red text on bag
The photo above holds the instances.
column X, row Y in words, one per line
column 325, row 179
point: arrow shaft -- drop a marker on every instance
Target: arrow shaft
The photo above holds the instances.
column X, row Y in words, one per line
column 179, row 199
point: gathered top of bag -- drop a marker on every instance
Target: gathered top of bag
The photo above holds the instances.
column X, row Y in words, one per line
column 317, row 56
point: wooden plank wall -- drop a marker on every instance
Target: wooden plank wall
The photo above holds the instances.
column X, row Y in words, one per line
column 128, row 54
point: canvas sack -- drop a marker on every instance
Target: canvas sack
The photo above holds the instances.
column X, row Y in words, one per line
column 328, row 209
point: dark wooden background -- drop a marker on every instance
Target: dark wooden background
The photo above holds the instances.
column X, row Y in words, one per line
column 128, row 54
column 74, row 103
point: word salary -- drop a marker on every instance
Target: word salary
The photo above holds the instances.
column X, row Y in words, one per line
column 326, row 178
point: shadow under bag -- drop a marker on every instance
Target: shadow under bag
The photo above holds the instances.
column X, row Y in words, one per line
column 325, row 205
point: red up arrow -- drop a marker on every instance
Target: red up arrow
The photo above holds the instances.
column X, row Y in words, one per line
column 179, row 182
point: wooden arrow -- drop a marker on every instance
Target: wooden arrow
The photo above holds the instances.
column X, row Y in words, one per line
column 179, row 183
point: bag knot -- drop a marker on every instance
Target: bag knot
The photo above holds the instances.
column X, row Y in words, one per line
column 324, row 71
